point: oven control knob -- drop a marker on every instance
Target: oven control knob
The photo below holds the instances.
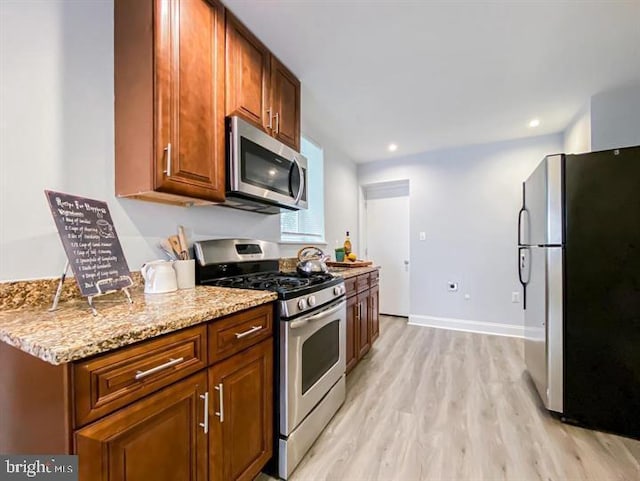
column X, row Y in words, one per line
column 311, row 300
column 302, row 304
column 337, row 291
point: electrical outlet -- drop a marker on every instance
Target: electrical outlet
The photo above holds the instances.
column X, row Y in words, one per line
column 422, row 236
column 452, row 286
column 515, row 297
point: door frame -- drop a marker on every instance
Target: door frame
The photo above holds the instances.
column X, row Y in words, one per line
column 383, row 189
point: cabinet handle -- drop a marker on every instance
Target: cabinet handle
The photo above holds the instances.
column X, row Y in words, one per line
column 220, row 389
column 270, row 125
column 205, row 423
column 168, row 151
column 153, row 370
column 240, row 335
column 277, row 123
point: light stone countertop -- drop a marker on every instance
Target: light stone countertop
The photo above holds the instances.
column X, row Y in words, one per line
column 73, row 332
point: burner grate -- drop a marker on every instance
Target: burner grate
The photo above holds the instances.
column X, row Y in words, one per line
column 272, row 281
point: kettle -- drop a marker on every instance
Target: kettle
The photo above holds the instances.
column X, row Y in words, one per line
column 311, row 260
column 159, row 276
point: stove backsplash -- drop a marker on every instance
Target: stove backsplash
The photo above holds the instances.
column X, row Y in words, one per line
column 288, row 264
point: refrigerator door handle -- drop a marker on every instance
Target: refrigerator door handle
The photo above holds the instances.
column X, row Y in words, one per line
column 522, row 211
column 522, row 265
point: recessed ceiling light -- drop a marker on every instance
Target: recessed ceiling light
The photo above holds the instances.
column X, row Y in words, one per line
column 392, row 147
column 534, row 123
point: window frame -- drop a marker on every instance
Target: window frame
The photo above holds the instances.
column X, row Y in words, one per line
column 287, row 237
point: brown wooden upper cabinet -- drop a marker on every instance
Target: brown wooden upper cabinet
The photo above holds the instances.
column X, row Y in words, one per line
column 285, row 100
column 169, row 100
column 181, row 66
column 247, row 76
column 259, row 88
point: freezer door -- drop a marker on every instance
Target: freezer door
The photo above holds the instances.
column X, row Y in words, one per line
column 541, row 219
column 544, row 324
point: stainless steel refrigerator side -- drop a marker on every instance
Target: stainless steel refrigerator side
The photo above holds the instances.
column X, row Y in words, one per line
column 534, row 217
column 555, row 328
column 542, row 261
column 535, row 321
column 555, row 283
column 542, row 224
column 554, row 200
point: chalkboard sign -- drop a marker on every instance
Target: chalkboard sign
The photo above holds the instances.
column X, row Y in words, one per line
column 91, row 243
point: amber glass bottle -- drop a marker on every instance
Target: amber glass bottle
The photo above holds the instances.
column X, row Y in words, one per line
column 347, row 245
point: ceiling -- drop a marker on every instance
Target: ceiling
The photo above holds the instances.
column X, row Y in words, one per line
column 428, row 75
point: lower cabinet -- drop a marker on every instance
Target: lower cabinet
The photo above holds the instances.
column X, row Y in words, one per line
column 352, row 339
column 374, row 312
column 364, row 333
column 363, row 324
column 241, row 414
column 160, row 437
column 192, row 405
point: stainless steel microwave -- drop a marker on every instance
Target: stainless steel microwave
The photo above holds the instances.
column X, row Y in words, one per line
column 263, row 174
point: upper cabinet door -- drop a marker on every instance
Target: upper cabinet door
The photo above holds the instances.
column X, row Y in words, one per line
column 189, row 79
column 247, row 76
column 285, row 88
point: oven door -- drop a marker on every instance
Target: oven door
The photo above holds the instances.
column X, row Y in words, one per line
column 313, row 359
column 265, row 169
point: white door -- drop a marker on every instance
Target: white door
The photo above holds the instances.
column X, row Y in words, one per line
column 387, row 244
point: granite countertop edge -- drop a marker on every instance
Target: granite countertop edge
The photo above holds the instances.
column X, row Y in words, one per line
column 354, row 271
column 152, row 322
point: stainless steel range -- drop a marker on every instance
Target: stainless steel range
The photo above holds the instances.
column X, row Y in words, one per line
column 310, row 339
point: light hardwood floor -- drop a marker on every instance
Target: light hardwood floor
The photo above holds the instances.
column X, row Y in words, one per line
column 429, row 404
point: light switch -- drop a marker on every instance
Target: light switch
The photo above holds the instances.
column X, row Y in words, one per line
column 423, row 236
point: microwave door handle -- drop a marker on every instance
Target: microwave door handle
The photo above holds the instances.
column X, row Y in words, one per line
column 301, row 173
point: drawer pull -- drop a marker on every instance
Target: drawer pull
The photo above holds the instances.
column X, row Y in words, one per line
column 240, row 335
column 220, row 389
column 205, row 424
column 153, row 370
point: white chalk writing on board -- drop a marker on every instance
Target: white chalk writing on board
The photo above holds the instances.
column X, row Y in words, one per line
column 90, row 242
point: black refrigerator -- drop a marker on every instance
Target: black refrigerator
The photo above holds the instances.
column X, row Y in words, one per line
column 579, row 265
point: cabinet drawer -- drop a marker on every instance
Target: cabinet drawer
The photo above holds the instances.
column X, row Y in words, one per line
column 362, row 282
column 108, row 382
column 238, row 331
column 350, row 286
column 374, row 277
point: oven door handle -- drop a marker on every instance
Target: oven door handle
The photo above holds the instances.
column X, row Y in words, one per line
column 303, row 322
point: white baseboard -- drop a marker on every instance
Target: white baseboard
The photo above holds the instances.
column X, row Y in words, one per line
column 480, row 327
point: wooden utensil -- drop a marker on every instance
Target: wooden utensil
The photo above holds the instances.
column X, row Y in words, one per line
column 168, row 249
column 184, row 246
column 175, row 244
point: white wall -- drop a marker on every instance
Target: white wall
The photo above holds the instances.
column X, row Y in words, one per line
column 466, row 200
column 577, row 136
column 57, row 133
column 615, row 118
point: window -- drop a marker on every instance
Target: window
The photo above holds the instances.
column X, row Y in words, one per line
column 307, row 225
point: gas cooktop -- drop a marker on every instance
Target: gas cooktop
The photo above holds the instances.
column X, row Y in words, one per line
column 286, row 284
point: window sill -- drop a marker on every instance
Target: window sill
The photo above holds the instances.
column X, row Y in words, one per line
column 303, row 242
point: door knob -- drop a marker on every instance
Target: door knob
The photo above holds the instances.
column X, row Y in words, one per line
column 406, row 263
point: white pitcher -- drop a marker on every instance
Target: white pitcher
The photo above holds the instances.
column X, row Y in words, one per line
column 159, row 277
